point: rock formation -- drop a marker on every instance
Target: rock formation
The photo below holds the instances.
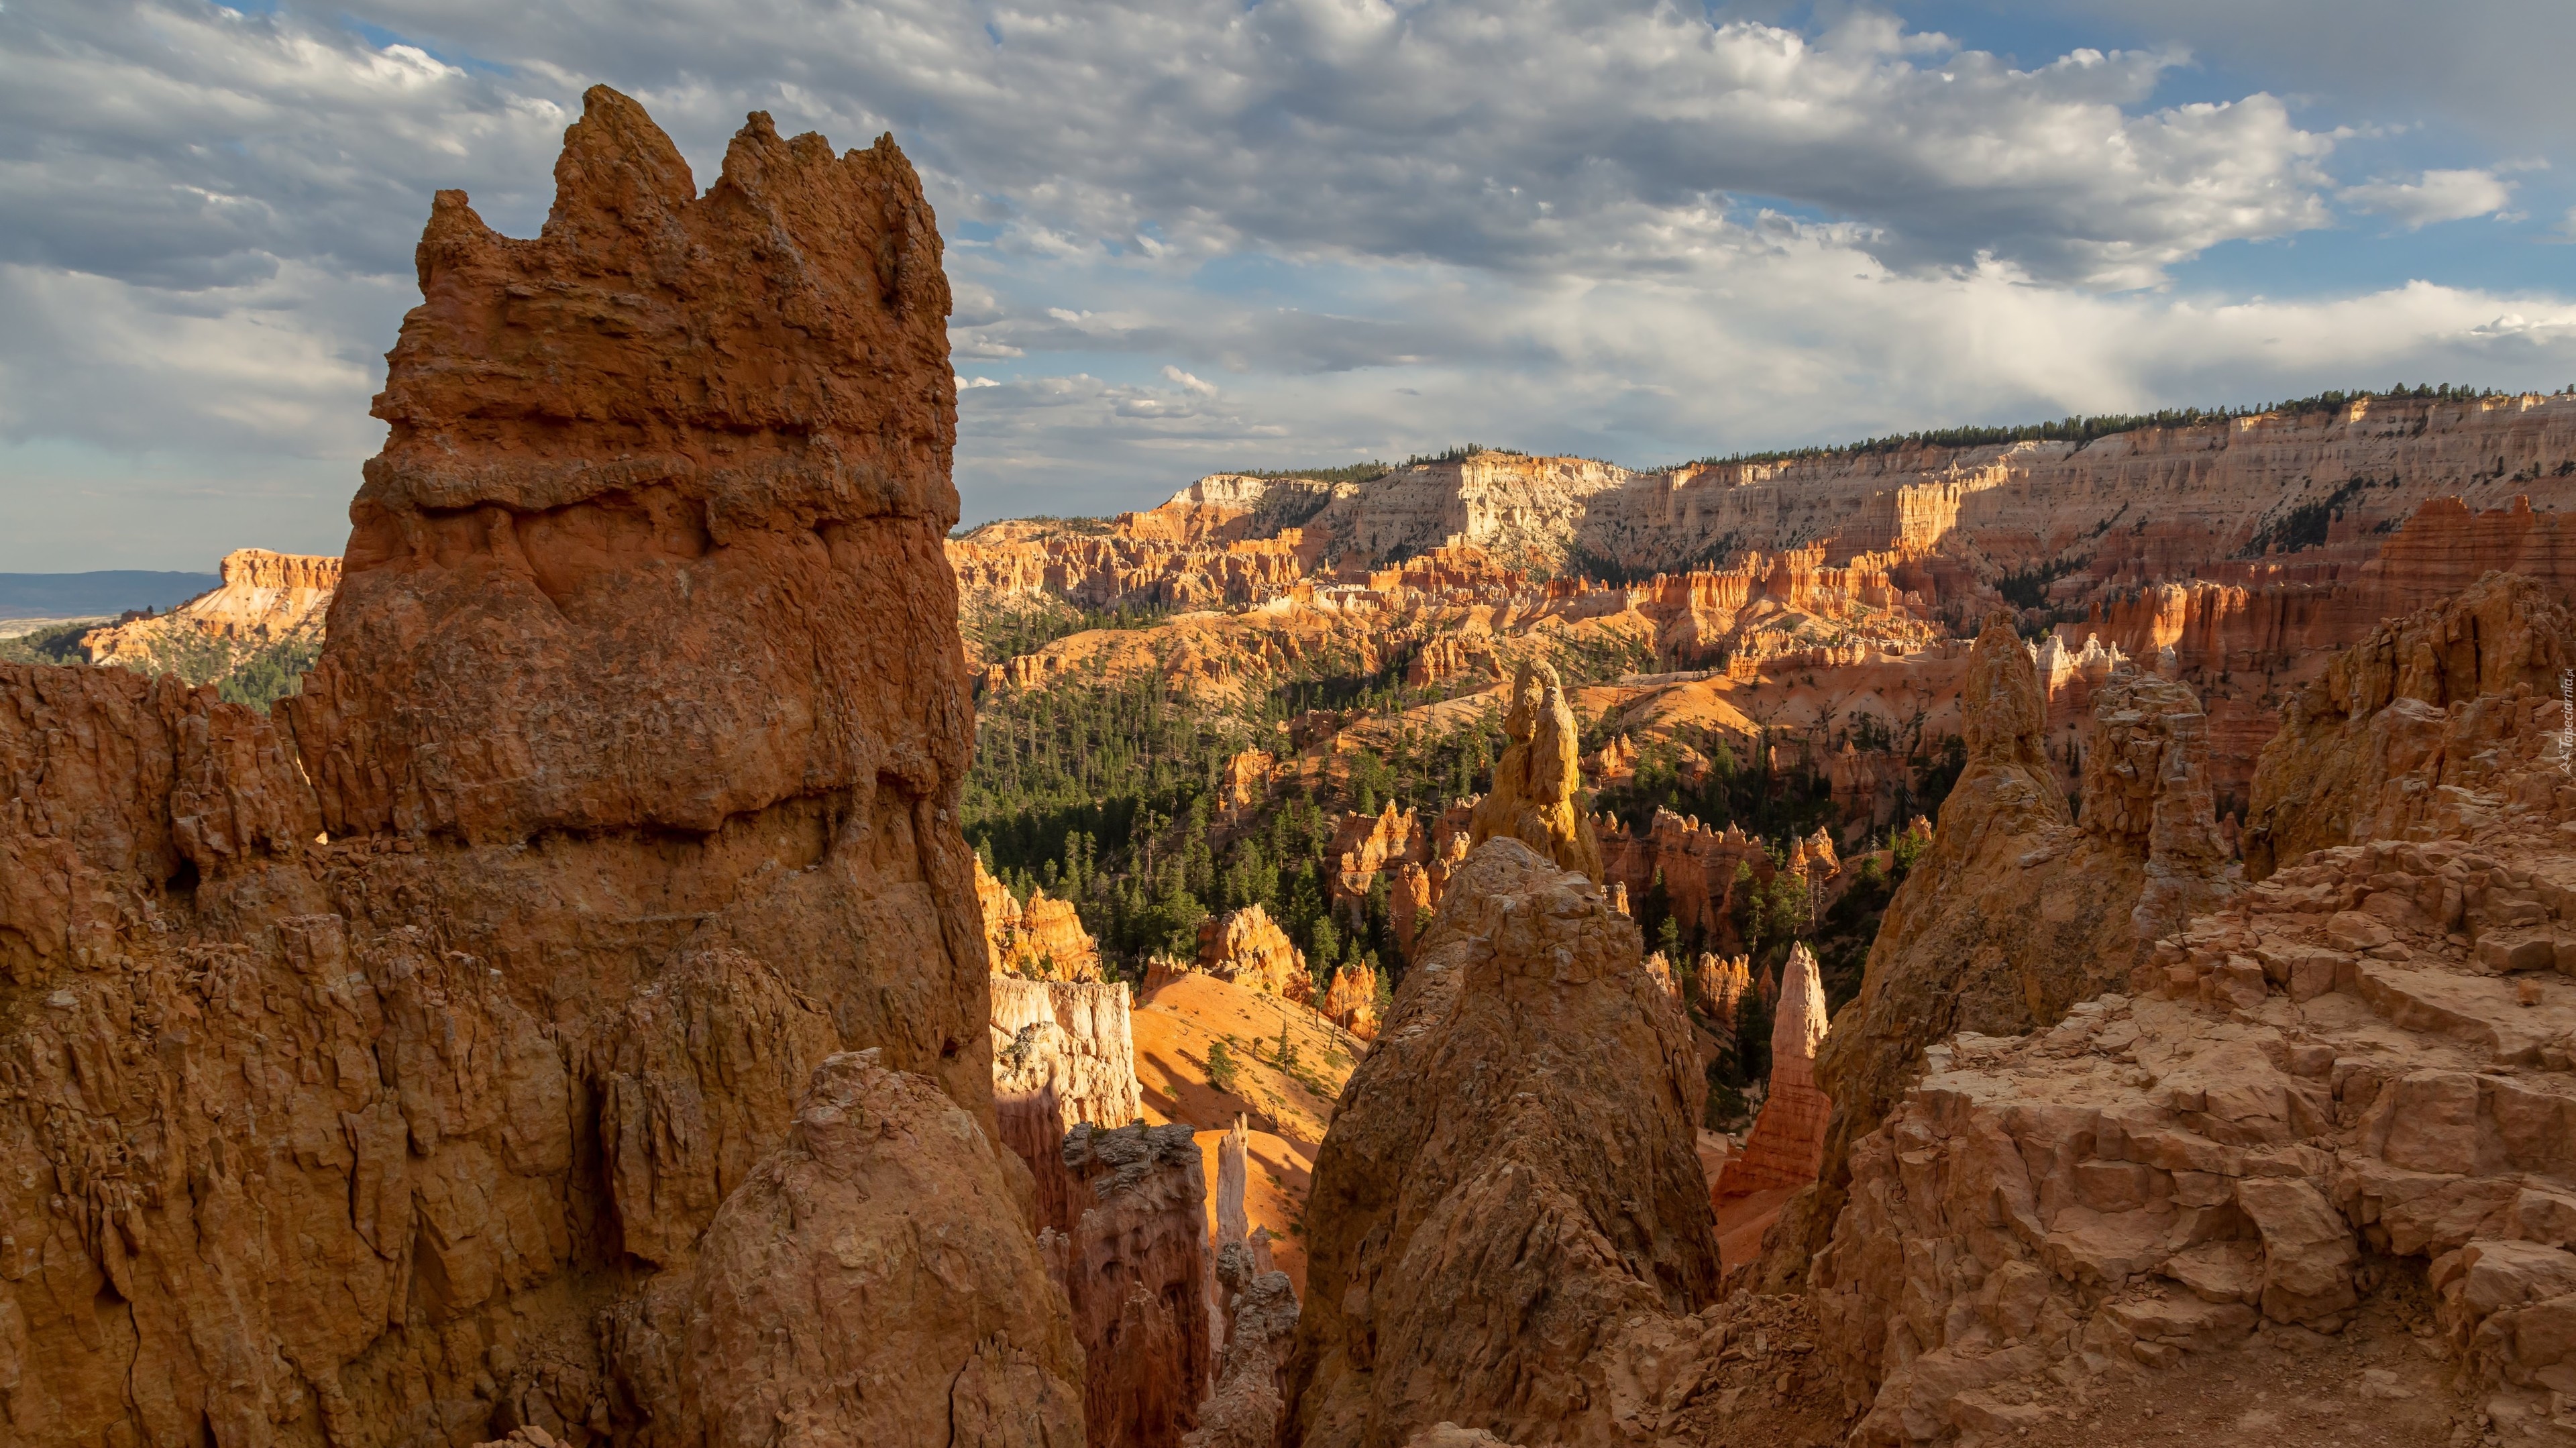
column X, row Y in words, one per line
column 1512, row 1176
column 264, row 598
column 1537, row 796
column 2358, row 755
column 352, row 1055
column 1352, row 1001
column 1042, row 940
column 1719, row 984
column 1064, row 1053
column 2015, row 914
column 872, row 1283
column 2338, row 1105
column 1698, row 868
column 1136, row 1274
column 1248, row 948
column 1788, row 1141
column 1248, row 1403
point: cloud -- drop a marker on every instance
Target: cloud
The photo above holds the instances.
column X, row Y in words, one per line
column 1795, row 340
column 1188, row 233
column 2435, row 196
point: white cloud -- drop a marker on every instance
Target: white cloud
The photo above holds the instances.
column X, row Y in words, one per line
column 2433, row 197
column 1188, row 233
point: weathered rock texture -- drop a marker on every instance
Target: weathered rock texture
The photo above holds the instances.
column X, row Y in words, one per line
column 1788, row 1141
column 2363, row 751
column 1137, row 1275
column 2015, row 913
column 1537, row 796
column 1248, row 1403
column 637, row 743
column 1512, row 1177
column 872, row 1284
column 2346, row 1102
column 1064, row 1053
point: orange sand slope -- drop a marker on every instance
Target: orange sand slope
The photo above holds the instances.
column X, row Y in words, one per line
column 1174, row 1028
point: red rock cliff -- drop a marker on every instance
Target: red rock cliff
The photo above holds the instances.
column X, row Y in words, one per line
column 637, row 741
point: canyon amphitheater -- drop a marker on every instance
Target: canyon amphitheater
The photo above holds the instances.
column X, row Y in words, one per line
column 577, row 1016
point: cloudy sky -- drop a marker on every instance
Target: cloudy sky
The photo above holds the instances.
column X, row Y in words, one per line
column 1188, row 235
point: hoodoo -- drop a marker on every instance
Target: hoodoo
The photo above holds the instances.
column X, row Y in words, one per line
column 348, row 1100
column 1512, row 1179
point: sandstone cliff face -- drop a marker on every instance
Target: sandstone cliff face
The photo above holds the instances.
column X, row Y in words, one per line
column 264, row 597
column 872, row 1284
column 1511, row 1179
column 1064, row 1053
column 1537, row 796
column 2341, row 1104
column 1137, row 1274
column 2370, row 750
column 634, row 757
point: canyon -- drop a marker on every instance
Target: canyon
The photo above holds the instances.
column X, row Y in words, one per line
column 2050, row 942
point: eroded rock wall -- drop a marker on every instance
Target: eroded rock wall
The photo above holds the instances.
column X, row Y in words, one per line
column 365, row 1065
column 2338, row 1104
column 2016, row 912
column 871, row 1283
column 2367, row 750
column 1137, row 1273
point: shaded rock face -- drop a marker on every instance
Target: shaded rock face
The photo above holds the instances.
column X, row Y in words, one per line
column 1537, row 796
column 1788, row 1141
column 1246, row 1406
column 637, row 740
column 871, row 1284
column 1511, row 1178
column 1137, row 1275
column 2015, row 914
column 2341, row 1103
column 2367, row 750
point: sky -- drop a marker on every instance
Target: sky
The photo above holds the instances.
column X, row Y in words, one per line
column 1194, row 235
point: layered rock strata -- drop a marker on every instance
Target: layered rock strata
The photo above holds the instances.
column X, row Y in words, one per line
column 1064, row 1053
column 1137, row 1276
column 264, row 598
column 373, row 1055
column 1511, row 1179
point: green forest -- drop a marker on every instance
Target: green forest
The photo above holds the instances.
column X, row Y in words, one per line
column 253, row 675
